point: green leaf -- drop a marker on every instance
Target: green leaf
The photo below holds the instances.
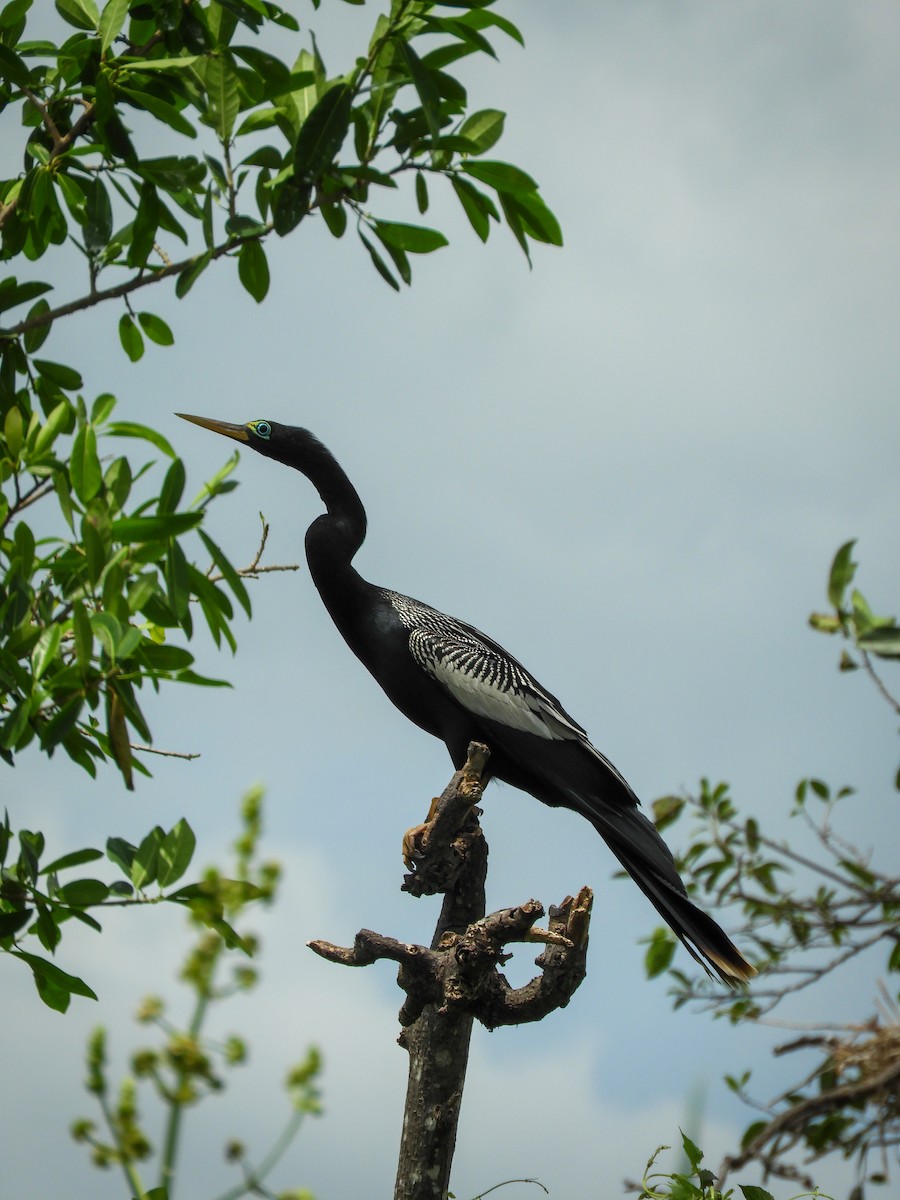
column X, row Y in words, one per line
column 514, row 221
column 750, row 1191
column 501, row 176
column 12, row 922
column 12, row 68
column 424, row 81
column 82, row 14
column 155, row 528
column 163, row 657
column 378, row 262
column 230, row 575
column 412, row 238
column 484, row 128
column 884, row 640
column 478, row 207
column 172, row 172
column 175, row 853
column 164, row 112
column 84, row 465
column 60, row 374
column 145, row 863
column 481, row 19
column 75, row 858
column 133, row 430
column 98, row 218
column 400, row 260
column 178, row 589
column 121, row 852
column 57, row 421
column 102, row 407
column 130, row 337
column 335, row 217
column 54, row 985
column 144, row 226
column 107, row 631
column 660, row 953
column 45, row 650
column 322, row 134
column 842, row 571
column 536, row 218
column 83, row 636
column 161, row 64
column 692, row 1153
column 421, row 192
column 290, row 204
column 172, row 489
column 82, row 893
column 34, row 338
column 13, row 431
column 156, row 329
column 111, row 21
column 274, row 74
column 253, row 269
column 191, row 274
column 223, row 89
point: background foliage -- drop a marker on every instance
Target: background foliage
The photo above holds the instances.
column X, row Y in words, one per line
column 105, row 578
column 103, row 582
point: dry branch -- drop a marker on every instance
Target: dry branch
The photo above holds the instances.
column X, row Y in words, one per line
column 457, row 979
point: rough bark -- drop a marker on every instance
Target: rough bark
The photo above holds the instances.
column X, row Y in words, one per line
column 457, row 979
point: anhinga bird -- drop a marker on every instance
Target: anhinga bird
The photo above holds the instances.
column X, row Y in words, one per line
column 460, row 686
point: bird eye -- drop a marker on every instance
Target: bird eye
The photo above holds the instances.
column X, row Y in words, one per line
column 261, row 428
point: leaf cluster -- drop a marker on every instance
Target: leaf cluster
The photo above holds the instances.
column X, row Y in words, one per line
column 852, row 616
column 811, row 904
column 695, row 1182
column 100, row 587
column 185, row 1067
column 290, row 141
column 88, row 605
column 36, row 900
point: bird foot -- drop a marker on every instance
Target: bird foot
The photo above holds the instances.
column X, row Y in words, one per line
column 414, row 839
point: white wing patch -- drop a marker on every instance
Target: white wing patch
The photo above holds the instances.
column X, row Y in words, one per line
column 490, row 685
column 485, row 680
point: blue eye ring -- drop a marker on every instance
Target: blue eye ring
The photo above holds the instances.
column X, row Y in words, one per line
column 261, row 428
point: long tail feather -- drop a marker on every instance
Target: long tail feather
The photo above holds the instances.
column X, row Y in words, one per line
column 644, row 855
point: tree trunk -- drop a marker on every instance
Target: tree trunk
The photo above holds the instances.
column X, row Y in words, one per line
column 438, row 1046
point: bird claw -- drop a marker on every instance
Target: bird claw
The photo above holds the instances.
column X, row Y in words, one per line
column 414, row 839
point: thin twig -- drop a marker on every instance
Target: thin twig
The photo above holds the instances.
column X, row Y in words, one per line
column 163, row 753
column 49, row 123
column 877, row 680
column 40, row 320
column 254, row 569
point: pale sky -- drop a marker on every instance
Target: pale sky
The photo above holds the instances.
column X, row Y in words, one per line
column 631, row 466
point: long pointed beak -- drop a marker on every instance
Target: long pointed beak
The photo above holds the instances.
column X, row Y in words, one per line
column 238, row 432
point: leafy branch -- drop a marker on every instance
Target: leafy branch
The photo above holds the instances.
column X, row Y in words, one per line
column 188, row 1068
column 810, row 912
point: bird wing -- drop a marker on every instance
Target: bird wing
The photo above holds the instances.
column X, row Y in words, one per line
column 487, row 681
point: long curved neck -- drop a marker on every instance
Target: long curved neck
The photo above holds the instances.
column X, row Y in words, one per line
column 333, row 538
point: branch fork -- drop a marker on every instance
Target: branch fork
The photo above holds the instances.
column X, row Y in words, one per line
column 458, row 980
column 461, row 974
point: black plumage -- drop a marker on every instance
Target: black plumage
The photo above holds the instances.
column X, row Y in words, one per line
column 459, row 685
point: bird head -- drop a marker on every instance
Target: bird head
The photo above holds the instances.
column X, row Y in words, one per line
column 298, row 448
column 266, row 437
